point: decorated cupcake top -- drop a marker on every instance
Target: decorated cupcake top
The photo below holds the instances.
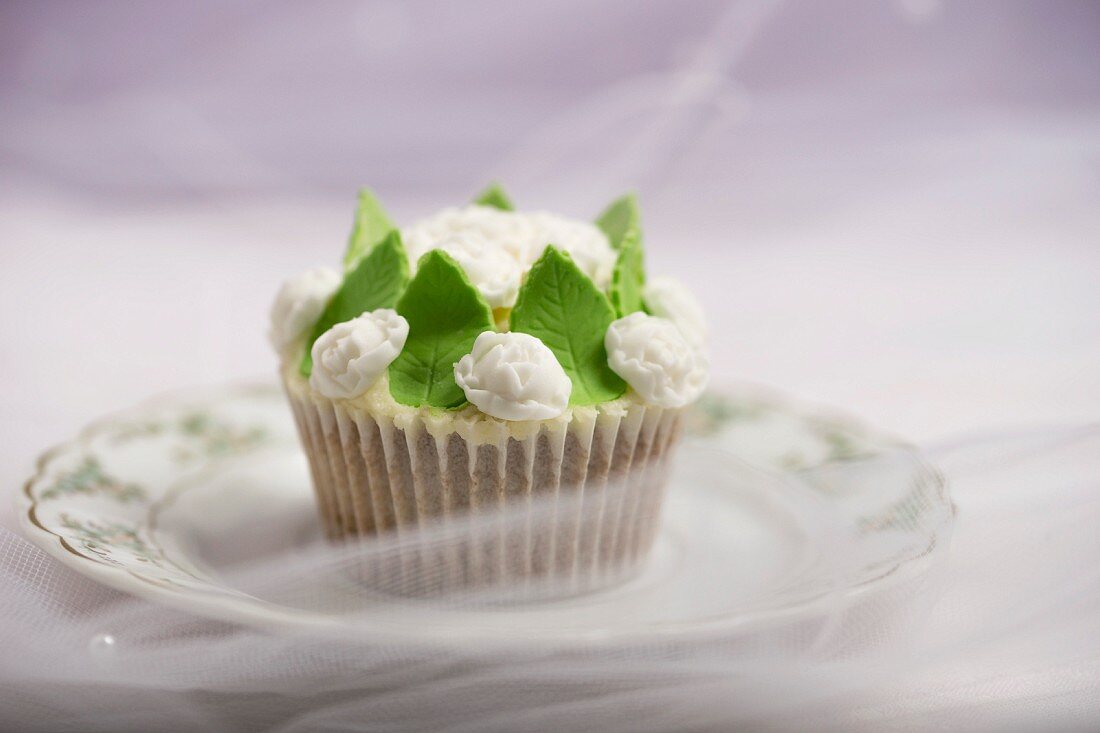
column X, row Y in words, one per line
column 521, row 314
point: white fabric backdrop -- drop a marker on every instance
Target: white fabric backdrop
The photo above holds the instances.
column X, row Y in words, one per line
column 891, row 207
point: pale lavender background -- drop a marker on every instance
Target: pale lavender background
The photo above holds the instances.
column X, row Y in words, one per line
column 889, row 206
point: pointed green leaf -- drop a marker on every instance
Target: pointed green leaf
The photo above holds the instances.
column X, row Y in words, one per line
column 494, row 196
column 372, row 224
column 628, row 277
column 561, row 306
column 445, row 314
column 376, row 282
column 619, row 219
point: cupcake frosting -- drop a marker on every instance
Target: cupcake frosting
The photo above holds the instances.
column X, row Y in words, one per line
column 491, row 268
column 299, row 303
column 521, row 237
column 669, row 298
column 482, row 315
column 349, row 357
column 655, row 359
column 513, row 376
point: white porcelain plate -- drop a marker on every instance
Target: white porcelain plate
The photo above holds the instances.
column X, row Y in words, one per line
column 775, row 511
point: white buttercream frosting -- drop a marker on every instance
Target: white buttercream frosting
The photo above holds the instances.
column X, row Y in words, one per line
column 349, row 357
column 299, row 304
column 669, row 298
column 514, row 376
column 655, row 359
column 522, row 236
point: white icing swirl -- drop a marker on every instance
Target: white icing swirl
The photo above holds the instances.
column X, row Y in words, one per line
column 349, row 357
column 669, row 298
column 656, row 360
column 513, row 376
column 492, row 270
column 520, row 236
column 299, row 304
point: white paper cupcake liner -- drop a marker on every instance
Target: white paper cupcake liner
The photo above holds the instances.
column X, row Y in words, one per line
column 573, row 506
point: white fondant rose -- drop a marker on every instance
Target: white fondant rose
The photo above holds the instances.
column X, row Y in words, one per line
column 668, row 298
column 656, row 360
column 522, row 237
column 506, row 232
column 585, row 243
column 494, row 272
column 513, row 376
column 512, row 232
column 299, row 304
column 349, row 357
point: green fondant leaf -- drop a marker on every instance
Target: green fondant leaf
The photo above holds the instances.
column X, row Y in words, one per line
column 376, row 282
column 494, row 196
column 619, row 219
column 628, row 277
column 445, row 314
column 372, row 224
column 561, row 306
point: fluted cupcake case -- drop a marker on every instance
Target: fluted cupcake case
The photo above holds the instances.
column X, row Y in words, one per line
column 570, row 506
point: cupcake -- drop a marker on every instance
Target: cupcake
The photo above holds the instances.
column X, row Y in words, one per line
column 484, row 364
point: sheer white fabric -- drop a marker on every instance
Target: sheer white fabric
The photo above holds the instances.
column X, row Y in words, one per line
column 999, row 633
